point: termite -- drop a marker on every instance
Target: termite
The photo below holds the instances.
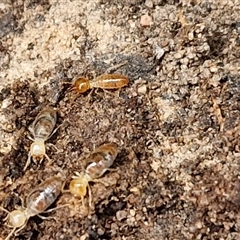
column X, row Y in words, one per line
column 42, row 129
column 97, row 164
column 37, row 202
column 105, row 81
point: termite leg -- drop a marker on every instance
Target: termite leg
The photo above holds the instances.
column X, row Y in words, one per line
column 73, row 98
column 6, row 218
column 83, row 201
column 6, row 211
column 115, row 67
column 55, row 130
column 65, row 191
column 63, row 186
column 89, row 95
column 77, row 175
column 51, row 210
column 110, row 169
column 28, row 162
column 9, row 226
column 96, row 92
column 22, row 227
column 44, row 218
column 101, row 181
column 114, row 94
column 70, row 83
column 48, row 158
column 15, row 231
column 10, row 234
column 90, row 196
column 29, row 137
column 49, row 161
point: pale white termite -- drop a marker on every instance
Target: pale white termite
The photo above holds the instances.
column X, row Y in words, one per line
column 37, row 202
column 97, row 164
column 42, row 129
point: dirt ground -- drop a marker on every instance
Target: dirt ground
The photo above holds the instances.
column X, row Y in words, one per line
column 177, row 123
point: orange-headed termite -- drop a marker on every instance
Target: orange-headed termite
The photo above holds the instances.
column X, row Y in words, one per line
column 105, row 81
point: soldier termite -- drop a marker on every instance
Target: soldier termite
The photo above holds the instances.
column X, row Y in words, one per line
column 105, row 81
column 37, row 202
column 42, row 129
column 97, row 164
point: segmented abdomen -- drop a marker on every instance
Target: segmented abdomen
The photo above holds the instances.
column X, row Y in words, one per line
column 44, row 124
column 101, row 159
column 44, row 195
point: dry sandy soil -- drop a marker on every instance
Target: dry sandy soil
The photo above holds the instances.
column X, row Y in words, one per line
column 177, row 123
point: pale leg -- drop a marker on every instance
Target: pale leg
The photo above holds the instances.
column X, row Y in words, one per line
column 90, row 197
column 28, row 161
column 106, row 92
column 10, row 234
column 48, row 158
column 89, row 95
column 51, row 210
column 115, row 67
column 6, row 211
column 55, row 130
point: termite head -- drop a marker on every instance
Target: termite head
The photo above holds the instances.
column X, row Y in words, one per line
column 78, row 186
column 17, row 218
column 81, row 85
column 38, row 150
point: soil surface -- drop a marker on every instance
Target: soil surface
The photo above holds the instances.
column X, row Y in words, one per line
column 176, row 123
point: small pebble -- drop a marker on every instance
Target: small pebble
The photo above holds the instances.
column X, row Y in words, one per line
column 198, row 224
column 142, row 89
column 100, row 231
column 6, row 103
column 149, row 3
column 120, row 215
column 145, row 20
column 159, row 52
column 213, row 69
column 132, row 212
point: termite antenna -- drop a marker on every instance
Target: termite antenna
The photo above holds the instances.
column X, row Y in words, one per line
column 10, row 234
column 6, row 211
column 67, row 83
column 69, row 89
